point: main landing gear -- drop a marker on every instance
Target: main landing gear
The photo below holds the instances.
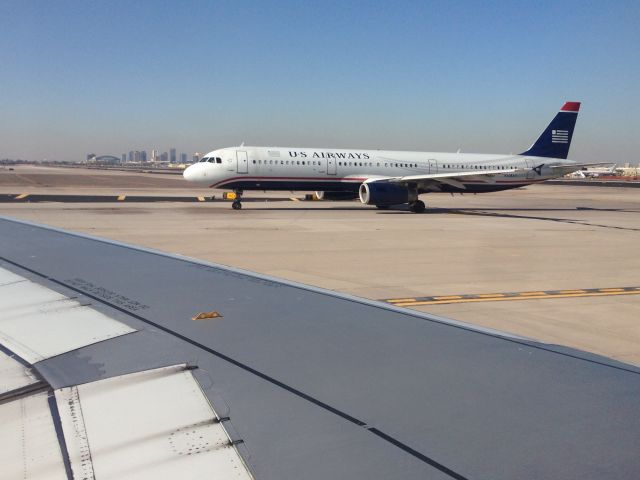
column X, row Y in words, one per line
column 417, row 207
column 237, row 203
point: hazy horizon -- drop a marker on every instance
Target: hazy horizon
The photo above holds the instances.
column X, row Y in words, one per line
column 109, row 77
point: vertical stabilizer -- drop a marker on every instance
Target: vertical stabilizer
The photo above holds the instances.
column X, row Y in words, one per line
column 556, row 138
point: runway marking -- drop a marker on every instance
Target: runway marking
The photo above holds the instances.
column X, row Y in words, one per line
column 294, row 199
column 201, row 199
column 121, row 198
column 509, row 296
column 21, row 196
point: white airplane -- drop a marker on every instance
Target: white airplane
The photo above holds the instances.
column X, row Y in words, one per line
column 386, row 178
column 595, row 172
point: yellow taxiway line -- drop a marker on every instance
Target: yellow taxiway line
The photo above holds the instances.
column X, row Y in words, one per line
column 501, row 297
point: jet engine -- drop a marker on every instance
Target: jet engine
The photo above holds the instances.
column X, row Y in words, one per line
column 336, row 195
column 383, row 194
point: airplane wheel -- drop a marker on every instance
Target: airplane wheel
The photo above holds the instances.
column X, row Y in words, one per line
column 417, row 207
column 236, row 205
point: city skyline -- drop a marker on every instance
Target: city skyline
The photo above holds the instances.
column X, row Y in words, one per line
column 171, row 155
column 81, row 77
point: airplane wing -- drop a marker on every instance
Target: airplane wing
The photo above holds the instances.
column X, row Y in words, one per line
column 123, row 362
column 452, row 178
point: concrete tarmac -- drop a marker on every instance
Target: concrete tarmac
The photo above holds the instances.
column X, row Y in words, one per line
column 540, row 238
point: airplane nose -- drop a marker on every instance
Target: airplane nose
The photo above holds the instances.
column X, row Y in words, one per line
column 188, row 173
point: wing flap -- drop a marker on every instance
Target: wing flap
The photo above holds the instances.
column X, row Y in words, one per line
column 146, row 425
column 39, row 323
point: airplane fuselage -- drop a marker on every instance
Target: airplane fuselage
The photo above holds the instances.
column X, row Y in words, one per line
column 294, row 169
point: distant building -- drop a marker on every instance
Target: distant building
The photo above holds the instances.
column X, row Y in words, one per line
column 123, row 158
column 107, row 159
column 91, row 156
column 154, row 155
column 164, row 157
column 195, row 158
column 172, row 155
column 143, row 156
column 183, row 158
column 131, row 154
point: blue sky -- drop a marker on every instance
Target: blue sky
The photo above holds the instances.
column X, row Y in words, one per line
column 107, row 77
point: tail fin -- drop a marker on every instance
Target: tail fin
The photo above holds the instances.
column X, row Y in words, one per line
column 556, row 139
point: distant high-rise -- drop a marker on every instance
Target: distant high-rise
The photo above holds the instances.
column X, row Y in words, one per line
column 154, row 155
column 131, row 154
column 123, row 157
column 164, row 157
column 172, row 155
column 183, row 158
column 195, row 158
column 143, row 156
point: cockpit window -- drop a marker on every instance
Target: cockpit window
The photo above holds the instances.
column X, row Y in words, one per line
column 212, row 160
column 204, row 159
column 218, row 160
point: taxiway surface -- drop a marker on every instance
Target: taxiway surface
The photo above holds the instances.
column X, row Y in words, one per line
column 541, row 238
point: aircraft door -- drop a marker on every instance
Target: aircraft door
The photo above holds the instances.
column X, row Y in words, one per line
column 332, row 169
column 433, row 166
column 243, row 161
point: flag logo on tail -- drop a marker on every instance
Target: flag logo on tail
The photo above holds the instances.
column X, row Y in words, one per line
column 559, row 136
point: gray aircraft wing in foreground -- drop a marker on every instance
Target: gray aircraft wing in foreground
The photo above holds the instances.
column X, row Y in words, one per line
column 122, row 362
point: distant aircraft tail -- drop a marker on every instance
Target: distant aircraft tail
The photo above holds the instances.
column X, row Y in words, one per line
column 556, row 139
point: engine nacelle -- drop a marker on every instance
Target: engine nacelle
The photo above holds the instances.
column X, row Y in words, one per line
column 336, row 195
column 383, row 193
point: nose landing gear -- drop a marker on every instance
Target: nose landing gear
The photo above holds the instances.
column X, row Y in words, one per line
column 237, row 203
